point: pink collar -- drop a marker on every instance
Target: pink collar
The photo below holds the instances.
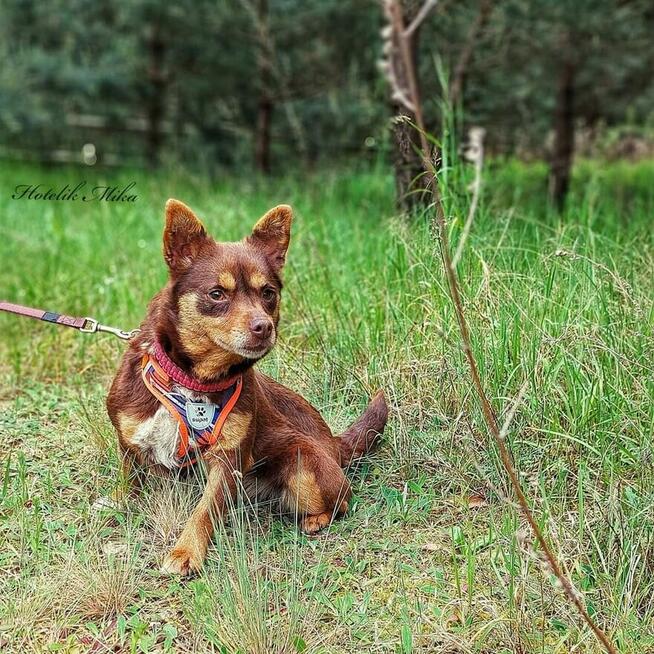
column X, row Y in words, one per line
column 184, row 379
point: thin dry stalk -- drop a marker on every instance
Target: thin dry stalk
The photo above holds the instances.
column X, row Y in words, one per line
column 394, row 12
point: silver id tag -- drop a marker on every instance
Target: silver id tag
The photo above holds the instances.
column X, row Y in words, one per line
column 200, row 414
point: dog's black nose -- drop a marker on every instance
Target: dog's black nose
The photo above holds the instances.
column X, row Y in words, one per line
column 261, row 327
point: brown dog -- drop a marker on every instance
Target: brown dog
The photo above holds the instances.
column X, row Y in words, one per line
column 186, row 388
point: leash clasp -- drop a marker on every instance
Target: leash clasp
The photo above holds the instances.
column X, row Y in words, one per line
column 92, row 326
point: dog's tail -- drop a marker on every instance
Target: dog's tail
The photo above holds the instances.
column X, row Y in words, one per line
column 363, row 434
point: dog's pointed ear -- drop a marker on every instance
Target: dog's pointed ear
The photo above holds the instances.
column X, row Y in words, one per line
column 272, row 234
column 183, row 237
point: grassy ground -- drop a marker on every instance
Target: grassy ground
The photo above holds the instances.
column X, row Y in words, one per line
column 433, row 556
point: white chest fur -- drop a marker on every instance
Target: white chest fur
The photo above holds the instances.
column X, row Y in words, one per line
column 158, row 436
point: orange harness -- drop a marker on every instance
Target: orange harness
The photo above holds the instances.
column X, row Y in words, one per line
column 199, row 423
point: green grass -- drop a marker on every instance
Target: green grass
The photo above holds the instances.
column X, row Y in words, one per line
column 433, row 556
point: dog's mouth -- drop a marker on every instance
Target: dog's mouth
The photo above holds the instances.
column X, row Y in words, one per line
column 253, row 352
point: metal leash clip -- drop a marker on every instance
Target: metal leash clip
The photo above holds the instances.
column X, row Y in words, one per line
column 91, row 326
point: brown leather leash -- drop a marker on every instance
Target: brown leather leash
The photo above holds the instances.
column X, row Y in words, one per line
column 85, row 325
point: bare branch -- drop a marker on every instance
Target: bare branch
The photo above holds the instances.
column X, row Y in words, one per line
column 394, row 13
column 420, row 17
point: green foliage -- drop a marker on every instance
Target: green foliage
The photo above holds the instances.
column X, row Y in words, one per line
column 78, row 71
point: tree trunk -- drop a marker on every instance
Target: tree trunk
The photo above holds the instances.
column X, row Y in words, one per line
column 156, row 96
column 262, row 145
column 411, row 193
column 264, row 102
column 564, row 136
column 463, row 63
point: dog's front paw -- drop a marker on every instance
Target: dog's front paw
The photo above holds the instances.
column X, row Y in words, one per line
column 183, row 561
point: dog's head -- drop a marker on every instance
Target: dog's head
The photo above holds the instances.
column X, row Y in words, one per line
column 225, row 296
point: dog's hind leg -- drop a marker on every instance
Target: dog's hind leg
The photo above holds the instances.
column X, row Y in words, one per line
column 315, row 488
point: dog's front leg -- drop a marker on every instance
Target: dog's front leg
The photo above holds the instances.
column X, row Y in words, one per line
column 191, row 547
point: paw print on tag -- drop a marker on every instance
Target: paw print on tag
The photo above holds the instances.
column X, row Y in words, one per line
column 200, row 414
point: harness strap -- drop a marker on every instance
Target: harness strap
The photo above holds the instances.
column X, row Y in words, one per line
column 191, row 439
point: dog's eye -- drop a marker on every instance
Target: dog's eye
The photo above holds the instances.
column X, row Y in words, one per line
column 217, row 294
column 268, row 294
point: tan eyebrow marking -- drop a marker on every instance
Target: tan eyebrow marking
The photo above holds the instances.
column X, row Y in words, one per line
column 227, row 281
column 257, row 280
